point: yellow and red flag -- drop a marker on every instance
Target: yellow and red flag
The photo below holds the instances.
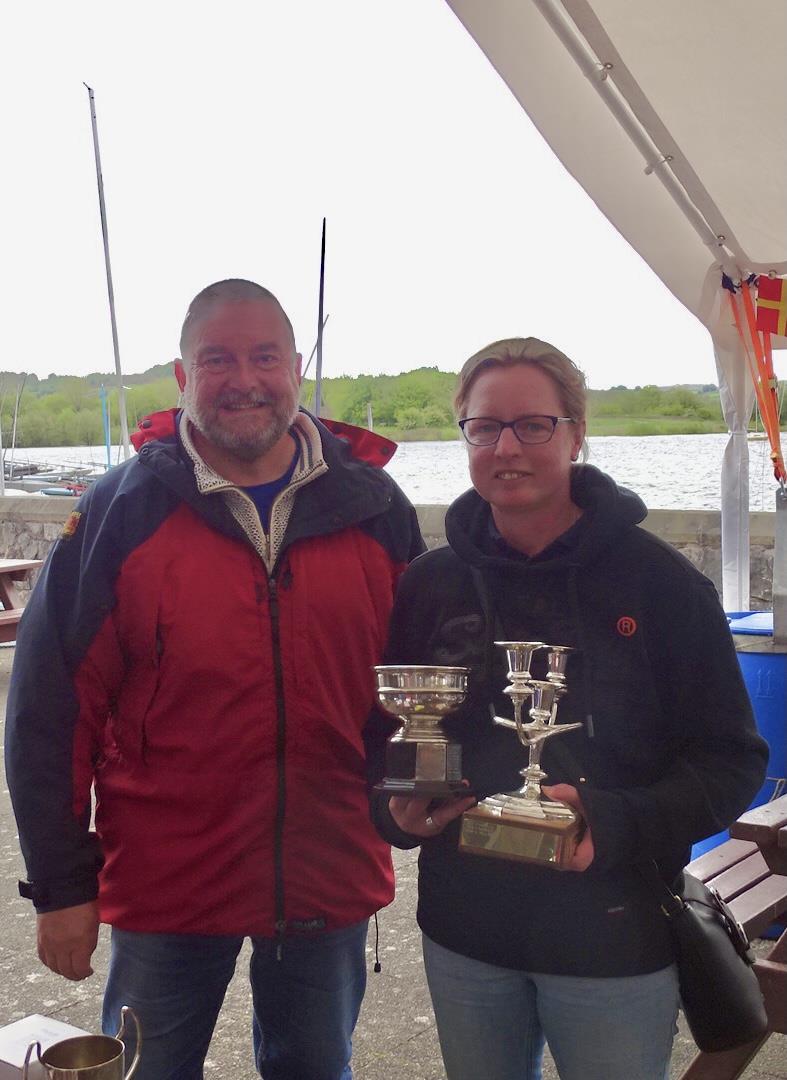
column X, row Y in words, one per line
column 772, row 305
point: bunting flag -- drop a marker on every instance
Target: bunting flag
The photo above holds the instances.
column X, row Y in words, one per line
column 772, row 305
column 759, row 357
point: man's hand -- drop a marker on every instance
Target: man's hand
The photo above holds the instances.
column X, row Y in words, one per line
column 67, row 939
column 412, row 815
column 585, row 852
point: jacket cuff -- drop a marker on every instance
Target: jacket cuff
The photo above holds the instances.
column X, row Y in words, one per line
column 54, row 895
column 387, row 827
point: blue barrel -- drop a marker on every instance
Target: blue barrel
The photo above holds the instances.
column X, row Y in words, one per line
column 765, row 674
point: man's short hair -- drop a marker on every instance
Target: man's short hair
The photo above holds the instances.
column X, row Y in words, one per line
column 229, row 291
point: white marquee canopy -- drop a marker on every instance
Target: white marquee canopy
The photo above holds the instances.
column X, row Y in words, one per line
column 673, row 118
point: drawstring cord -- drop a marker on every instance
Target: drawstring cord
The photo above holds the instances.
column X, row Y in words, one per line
column 378, row 967
column 573, row 592
column 494, row 630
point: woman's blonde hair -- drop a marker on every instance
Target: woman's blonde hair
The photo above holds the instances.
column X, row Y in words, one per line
column 569, row 380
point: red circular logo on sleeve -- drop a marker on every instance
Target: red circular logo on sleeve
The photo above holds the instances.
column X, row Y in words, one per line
column 627, row 626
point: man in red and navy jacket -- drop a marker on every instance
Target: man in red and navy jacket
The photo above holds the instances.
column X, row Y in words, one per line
column 198, row 654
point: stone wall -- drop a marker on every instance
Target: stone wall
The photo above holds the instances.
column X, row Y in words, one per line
column 28, row 526
column 696, row 533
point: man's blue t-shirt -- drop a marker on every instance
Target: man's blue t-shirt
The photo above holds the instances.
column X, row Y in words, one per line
column 262, row 495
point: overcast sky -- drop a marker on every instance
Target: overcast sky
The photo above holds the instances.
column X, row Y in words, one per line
column 228, row 131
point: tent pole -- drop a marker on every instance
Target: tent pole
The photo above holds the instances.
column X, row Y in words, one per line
column 780, row 570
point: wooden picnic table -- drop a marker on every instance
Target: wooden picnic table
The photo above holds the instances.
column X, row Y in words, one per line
column 749, row 873
column 12, row 571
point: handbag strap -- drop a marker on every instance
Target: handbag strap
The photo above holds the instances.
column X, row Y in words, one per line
column 669, row 902
column 672, row 905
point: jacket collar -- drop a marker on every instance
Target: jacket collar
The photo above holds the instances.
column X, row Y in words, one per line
column 347, row 491
column 310, row 461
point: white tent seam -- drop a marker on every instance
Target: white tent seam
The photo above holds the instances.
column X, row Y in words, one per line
column 599, row 42
column 621, row 108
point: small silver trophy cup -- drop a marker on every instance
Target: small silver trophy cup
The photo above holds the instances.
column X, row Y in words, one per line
column 419, row 758
column 525, row 824
column 85, row 1057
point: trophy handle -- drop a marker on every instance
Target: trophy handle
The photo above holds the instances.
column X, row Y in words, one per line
column 124, row 1012
column 33, row 1046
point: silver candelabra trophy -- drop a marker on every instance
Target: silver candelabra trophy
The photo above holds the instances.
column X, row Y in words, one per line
column 525, row 824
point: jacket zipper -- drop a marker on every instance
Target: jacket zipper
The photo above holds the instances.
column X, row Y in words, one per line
column 281, row 787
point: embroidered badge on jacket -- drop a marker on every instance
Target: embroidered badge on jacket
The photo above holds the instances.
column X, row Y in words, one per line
column 71, row 525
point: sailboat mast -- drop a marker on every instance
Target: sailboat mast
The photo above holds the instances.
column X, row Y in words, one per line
column 110, row 290
column 20, row 388
column 320, row 325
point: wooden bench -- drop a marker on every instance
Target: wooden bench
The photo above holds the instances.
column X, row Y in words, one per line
column 8, row 621
column 750, row 873
column 11, row 572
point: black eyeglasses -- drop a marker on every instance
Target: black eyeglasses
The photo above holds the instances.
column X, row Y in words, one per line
column 484, row 431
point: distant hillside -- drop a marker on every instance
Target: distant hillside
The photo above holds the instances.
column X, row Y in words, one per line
column 65, row 410
column 53, row 383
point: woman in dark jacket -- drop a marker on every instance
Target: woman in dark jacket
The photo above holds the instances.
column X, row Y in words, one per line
column 544, row 549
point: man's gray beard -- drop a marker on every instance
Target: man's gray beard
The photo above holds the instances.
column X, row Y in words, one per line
column 249, row 446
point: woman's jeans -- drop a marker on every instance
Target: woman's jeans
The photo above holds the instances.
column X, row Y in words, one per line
column 493, row 1021
column 306, row 1001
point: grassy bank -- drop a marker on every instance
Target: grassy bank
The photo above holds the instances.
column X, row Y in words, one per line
column 653, row 425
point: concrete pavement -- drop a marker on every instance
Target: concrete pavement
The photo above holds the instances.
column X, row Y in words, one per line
column 395, row 1037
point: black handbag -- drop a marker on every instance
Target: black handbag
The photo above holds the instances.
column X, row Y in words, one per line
column 719, row 991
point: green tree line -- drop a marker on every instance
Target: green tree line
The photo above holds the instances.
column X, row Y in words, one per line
column 65, row 410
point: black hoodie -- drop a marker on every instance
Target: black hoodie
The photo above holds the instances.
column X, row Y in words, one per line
column 668, row 752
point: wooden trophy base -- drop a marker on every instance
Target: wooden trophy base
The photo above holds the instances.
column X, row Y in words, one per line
column 429, row 767
column 500, row 834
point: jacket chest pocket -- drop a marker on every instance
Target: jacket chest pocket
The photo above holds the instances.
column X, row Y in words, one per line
column 127, row 728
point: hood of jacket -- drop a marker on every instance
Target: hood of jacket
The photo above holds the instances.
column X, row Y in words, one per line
column 608, row 510
column 364, row 445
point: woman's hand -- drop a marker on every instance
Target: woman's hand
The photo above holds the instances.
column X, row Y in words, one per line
column 569, row 795
column 413, row 815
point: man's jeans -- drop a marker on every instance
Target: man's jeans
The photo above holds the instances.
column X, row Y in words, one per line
column 492, row 1021
column 306, row 1002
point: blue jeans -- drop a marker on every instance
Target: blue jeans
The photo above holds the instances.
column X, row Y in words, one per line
column 492, row 1021
column 306, row 1002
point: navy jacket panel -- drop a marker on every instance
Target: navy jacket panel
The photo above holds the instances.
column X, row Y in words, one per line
column 85, row 667
column 668, row 752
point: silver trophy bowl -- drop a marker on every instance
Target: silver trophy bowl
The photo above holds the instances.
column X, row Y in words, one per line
column 420, row 758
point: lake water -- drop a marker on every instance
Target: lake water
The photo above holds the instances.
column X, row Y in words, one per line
column 671, row 472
